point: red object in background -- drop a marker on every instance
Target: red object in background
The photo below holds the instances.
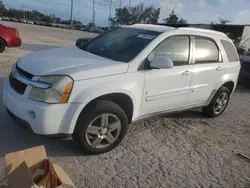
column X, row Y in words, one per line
column 9, row 37
column 73, row 27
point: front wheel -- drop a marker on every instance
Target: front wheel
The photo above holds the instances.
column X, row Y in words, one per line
column 101, row 128
column 2, row 46
column 218, row 104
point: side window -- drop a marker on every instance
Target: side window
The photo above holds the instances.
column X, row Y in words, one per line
column 176, row 48
column 230, row 51
column 206, row 51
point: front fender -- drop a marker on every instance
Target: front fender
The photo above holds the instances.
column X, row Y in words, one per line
column 87, row 90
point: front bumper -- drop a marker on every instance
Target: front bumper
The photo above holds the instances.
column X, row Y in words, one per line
column 50, row 119
column 20, row 122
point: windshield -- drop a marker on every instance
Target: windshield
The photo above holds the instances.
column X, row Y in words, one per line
column 121, row 44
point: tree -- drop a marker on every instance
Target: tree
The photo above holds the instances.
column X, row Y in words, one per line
column 136, row 14
column 223, row 21
column 90, row 25
column 173, row 18
column 112, row 22
column 2, row 8
column 150, row 15
column 122, row 16
column 58, row 20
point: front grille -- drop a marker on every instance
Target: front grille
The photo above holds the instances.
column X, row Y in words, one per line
column 17, row 85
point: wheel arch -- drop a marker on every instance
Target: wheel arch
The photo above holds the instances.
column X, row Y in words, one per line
column 121, row 99
column 230, row 85
column 4, row 41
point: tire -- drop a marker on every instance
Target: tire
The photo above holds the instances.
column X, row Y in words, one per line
column 96, row 114
column 210, row 110
column 2, row 45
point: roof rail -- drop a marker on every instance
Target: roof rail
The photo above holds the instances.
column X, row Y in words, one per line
column 203, row 30
column 154, row 25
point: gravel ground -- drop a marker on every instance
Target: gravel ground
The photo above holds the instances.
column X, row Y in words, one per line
column 178, row 150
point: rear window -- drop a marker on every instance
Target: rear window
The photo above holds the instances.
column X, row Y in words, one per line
column 206, row 51
column 230, row 51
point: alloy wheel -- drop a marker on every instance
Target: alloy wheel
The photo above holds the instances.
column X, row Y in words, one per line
column 103, row 131
column 221, row 103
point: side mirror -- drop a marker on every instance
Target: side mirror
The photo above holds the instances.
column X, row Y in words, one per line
column 161, row 62
column 82, row 41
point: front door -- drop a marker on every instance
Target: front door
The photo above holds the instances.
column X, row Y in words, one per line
column 167, row 89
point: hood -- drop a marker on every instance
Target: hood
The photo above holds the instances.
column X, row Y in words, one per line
column 71, row 61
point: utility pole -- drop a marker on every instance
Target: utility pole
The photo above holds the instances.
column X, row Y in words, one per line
column 23, row 12
column 71, row 17
column 129, row 4
column 110, row 7
column 93, row 13
column 120, row 6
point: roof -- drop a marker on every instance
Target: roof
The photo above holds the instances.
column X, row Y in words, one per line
column 151, row 27
column 161, row 28
column 208, row 31
column 202, row 24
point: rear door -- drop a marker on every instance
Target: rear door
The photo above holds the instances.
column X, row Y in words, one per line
column 208, row 69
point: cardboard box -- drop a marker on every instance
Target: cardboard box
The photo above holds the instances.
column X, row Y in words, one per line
column 22, row 165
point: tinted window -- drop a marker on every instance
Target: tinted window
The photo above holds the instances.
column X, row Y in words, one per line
column 205, row 50
column 176, row 48
column 230, row 51
column 121, row 44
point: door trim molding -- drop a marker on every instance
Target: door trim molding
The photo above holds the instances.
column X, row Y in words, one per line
column 166, row 94
column 179, row 109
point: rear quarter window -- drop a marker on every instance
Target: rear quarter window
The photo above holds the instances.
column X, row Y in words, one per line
column 230, row 51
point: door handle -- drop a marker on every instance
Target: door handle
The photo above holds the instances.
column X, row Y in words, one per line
column 186, row 73
column 219, row 68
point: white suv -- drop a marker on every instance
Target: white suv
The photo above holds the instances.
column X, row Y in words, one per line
column 127, row 74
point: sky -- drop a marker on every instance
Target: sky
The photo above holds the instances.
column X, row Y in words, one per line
column 194, row 11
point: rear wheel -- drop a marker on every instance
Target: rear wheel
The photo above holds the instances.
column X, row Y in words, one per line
column 101, row 128
column 2, row 45
column 218, row 104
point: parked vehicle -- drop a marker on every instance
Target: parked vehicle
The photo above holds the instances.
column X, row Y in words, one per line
column 124, row 75
column 5, row 18
column 30, row 22
column 9, row 37
column 72, row 27
column 37, row 23
column 82, row 41
column 244, row 77
column 14, row 19
column 23, row 21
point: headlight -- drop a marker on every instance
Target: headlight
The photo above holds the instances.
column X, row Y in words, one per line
column 59, row 91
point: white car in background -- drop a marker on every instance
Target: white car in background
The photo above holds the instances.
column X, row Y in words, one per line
column 124, row 75
column 30, row 22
